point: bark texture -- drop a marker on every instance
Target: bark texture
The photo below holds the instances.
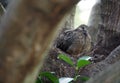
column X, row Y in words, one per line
column 110, row 75
column 109, row 29
column 104, row 25
column 26, row 30
column 108, row 44
column 94, row 20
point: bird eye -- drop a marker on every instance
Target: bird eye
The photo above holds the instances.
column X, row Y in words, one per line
column 83, row 27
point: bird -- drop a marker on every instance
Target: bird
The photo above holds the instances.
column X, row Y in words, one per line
column 74, row 41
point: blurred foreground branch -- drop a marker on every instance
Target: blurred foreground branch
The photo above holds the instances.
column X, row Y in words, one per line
column 26, row 31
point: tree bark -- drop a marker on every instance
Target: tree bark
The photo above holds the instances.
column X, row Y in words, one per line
column 94, row 20
column 108, row 44
column 104, row 25
column 68, row 24
column 110, row 75
column 109, row 29
column 26, row 31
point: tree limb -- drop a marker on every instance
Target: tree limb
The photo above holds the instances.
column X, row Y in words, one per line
column 25, row 33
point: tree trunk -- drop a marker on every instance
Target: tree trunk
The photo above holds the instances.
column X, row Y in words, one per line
column 110, row 75
column 107, row 45
column 68, row 24
column 69, row 21
column 94, row 21
column 26, row 31
column 109, row 29
column 104, row 25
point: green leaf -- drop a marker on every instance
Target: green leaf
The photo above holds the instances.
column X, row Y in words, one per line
column 82, row 62
column 85, row 58
column 76, row 77
column 65, row 80
column 50, row 76
column 39, row 80
column 66, row 59
column 84, row 78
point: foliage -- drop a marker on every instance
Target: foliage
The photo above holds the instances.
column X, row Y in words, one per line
column 66, row 59
column 50, row 76
column 81, row 62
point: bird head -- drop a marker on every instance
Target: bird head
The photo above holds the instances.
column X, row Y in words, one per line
column 82, row 28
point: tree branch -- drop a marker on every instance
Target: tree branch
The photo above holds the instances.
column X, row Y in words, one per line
column 25, row 33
